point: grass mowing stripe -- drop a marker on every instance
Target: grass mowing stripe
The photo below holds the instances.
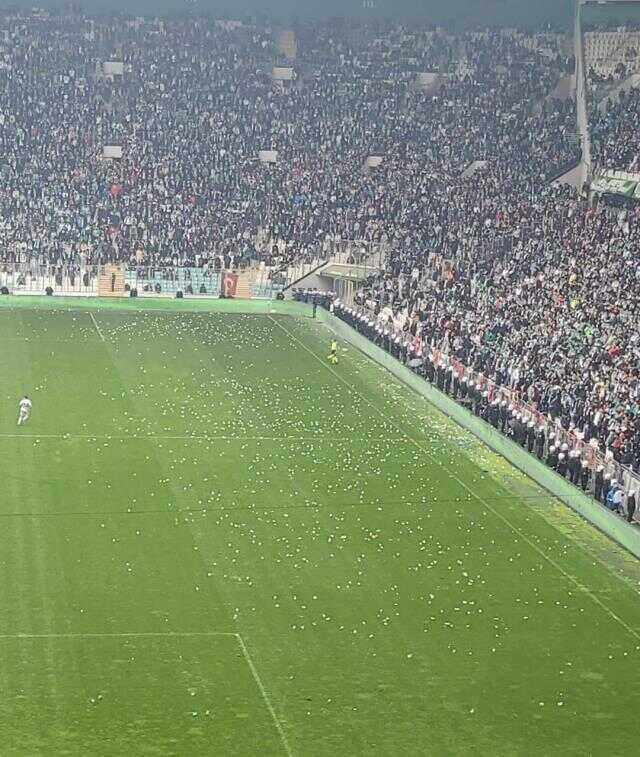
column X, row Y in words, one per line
column 115, row 635
column 251, row 507
column 585, row 589
column 202, row 306
column 29, row 340
column 174, row 634
column 243, row 647
column 205, row 437
column 184, row 567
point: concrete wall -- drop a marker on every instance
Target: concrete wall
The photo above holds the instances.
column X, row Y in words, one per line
column 461, row 14
column 565, row 89
column 314, row 281
column 112, row 151
column 428, row 81
column 113, row 68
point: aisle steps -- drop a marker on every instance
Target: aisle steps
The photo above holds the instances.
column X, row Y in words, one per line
column 111, row 282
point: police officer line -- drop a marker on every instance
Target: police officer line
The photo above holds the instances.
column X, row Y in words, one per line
column 566, row 452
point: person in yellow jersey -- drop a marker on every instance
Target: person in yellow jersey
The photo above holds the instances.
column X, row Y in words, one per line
column 333, row 355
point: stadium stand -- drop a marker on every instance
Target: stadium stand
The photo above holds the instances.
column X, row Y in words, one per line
column 493, row 268
column 612, row 55
column 196, row 103
column 614, row 132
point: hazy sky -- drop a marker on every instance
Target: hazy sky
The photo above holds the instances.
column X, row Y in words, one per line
column 461, row 12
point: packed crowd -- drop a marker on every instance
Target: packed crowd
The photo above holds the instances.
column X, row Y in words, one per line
column 548, row 308
column 496, row 406
column 614, row 132
column 614, row 105
column 516, row 279
column 531, row 288
column 195, row 105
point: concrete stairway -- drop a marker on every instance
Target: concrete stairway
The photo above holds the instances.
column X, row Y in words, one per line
column 244, row 287
column 111, row 281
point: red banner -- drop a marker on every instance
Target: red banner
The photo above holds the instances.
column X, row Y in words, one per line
column 229, row 284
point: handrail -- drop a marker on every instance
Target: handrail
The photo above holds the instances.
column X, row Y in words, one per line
column 582, row 114
column 310, row 272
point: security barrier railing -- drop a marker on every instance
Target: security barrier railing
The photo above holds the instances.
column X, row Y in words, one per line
column 159, row 280
column 82, row 280
column 248, row 282
column 37, row 278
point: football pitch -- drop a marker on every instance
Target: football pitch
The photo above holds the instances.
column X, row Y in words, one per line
column 213, row 542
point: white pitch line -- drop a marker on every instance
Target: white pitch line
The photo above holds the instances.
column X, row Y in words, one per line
column 265, row 696
column 173, row 634
column 95, row 323
column 594, row 598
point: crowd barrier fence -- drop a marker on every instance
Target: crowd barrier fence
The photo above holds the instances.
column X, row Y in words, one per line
column 589, row 451
column 34, row 278
column 80, row 279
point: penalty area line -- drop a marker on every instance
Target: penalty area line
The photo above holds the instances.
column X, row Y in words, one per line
column 265, row 696
column 95, row 323
column 169, row 635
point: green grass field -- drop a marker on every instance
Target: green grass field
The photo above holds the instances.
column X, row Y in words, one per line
column 214, row 543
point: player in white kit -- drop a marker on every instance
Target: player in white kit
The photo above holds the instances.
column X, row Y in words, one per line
column 25, row 410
